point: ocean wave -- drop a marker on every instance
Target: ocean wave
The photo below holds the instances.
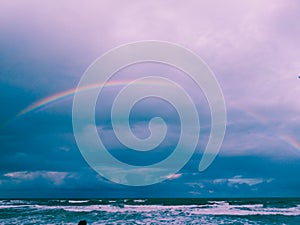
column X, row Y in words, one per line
column 19, row 201
column 212, row 208
column 139, row 200
column 228, row 210
column 132, row 212
column 12, row 206
column 78, row 201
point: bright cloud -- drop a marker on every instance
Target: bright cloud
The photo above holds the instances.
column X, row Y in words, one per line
column 174, row 176
column 239, row 180
column 53, row 176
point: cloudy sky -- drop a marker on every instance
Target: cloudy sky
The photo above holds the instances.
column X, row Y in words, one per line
column 252, row 47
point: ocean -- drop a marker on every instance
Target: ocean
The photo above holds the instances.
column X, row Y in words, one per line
column 151, row 211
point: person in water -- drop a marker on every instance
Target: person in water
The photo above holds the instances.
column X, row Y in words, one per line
column 82, row 222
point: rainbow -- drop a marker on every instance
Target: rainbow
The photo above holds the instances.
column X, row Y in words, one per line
column 62, row 95
column 291, row 140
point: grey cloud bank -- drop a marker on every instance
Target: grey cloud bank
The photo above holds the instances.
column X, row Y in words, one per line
column 251, row 46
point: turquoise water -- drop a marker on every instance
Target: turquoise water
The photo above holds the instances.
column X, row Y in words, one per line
column 150, row 211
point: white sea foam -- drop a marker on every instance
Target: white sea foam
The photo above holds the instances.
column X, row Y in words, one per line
column 214, row 208
column 192, row 210
column 12, row 206
column 122, row 212
column 249, row 206
column 78, row 201
column 19, row 202
column 139, row 200
column 242, row 210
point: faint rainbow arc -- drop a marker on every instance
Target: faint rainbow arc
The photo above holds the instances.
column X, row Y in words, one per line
column 288, row 138
column 55, row 97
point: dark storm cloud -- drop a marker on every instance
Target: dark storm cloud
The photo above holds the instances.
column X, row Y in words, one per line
column 252, row 47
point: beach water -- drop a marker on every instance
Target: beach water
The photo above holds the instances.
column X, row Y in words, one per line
column 151, row 211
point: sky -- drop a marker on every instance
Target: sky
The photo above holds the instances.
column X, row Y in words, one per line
column 252, row 47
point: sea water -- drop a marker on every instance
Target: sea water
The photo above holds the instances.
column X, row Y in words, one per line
column 150, row 211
